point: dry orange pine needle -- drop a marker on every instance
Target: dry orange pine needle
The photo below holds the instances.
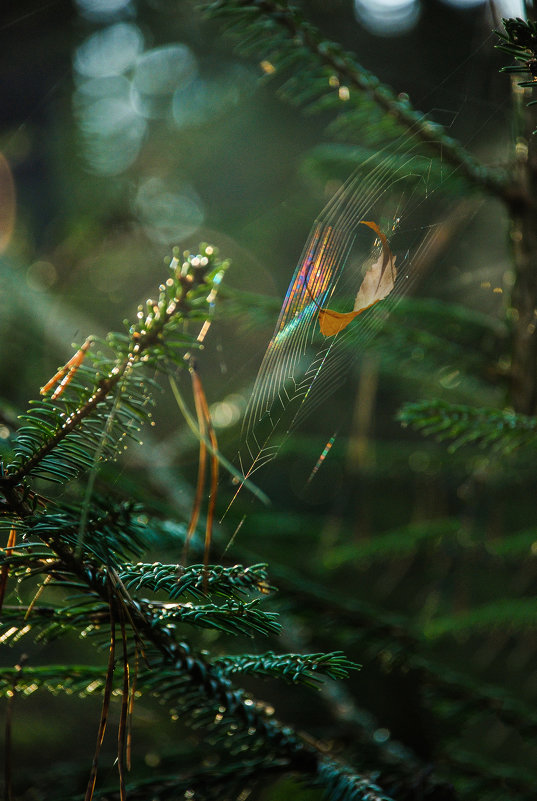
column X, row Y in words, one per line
column 66, row 373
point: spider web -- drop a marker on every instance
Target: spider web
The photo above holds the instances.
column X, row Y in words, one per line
column 300, row 368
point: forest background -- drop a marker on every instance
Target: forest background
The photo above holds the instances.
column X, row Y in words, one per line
column 417, row 562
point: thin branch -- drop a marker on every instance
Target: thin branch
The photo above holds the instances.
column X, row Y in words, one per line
column 330, row 54
column 141, row 343
column 302, row 756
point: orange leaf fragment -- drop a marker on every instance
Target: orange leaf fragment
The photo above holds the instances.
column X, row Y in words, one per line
column 332, row 322
column 377, row 284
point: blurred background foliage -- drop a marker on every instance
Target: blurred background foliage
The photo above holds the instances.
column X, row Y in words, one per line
column 130, row 127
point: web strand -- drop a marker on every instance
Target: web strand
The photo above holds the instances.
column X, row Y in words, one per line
column 301, row 369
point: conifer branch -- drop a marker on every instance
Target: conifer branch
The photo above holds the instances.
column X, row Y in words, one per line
column 502, row 431
column 520, row 42
column 276, row 31
column 183, row 295
column 174, row 672
column 204, row 683
column 202, row 690
column 196, row 580
column 377, row 629
column 307, row 669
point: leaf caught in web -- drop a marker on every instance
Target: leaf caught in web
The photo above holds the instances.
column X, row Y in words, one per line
column 378, row 282
column 300, row 370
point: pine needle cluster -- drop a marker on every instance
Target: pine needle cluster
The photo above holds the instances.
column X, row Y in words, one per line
column 78, row 557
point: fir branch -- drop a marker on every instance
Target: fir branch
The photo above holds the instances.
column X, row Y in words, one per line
column 116, row 530
column 380, row 629
column 309, row 669
column 26, row 557
column 231, row 617
column 502, row 431
column 48, row 623
column 277, row 33
column 196, row 580
column 83, row 680
column 112, row 396
column 88, row 680
column 520, row 42
column 338, row 160
column 346, row 785
column 201, row 691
